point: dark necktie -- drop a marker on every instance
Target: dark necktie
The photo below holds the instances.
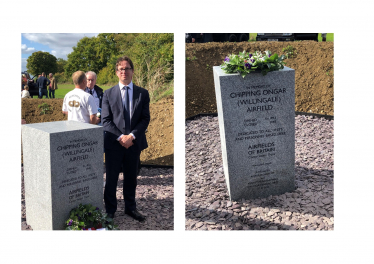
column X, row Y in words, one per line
column 90, row 91
column 126, row 111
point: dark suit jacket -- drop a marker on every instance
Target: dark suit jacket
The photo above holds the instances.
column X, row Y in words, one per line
column 114, row 121
column 100, row 94
column 42, row 82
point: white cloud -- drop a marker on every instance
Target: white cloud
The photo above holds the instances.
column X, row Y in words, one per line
column 26, row 50
column 23, row 64
column 60, row 43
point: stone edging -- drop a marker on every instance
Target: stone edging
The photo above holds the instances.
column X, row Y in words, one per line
column 328, row 117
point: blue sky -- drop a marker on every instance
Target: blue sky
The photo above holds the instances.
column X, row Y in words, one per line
column 57, row 44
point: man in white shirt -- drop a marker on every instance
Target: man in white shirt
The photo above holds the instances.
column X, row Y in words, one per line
column 79, row 105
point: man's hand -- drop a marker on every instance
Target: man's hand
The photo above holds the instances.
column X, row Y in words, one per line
column 126, row 141
column 94, row 120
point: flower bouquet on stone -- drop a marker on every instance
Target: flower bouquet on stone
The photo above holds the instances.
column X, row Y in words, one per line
column 246, row 62
column 88, row 217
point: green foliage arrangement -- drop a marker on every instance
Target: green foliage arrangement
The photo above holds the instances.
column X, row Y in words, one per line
column 87, row 216
column 246, row 62
column 40, row 62
column 44, row 108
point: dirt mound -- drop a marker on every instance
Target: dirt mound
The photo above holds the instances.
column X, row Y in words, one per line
column 160, row 133
column 313, row 64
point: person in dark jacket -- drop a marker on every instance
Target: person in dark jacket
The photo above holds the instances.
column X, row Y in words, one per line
column 125, row 118
column 93, row 89
column 42, row 84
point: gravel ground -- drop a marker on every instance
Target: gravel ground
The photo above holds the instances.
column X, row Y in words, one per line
column 154, row 196
column 309, row 207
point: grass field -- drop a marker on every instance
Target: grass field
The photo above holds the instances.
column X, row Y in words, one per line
column 329, row 37
column 63, row 89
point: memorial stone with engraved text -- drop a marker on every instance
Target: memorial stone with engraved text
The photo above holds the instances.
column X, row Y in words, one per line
column 257, row 129
column 63, row 167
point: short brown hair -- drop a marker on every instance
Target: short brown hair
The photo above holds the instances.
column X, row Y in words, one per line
column 78, row 77
column 124, row 58
column 26, row 87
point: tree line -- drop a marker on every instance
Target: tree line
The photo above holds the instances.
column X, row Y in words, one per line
column 152, row 55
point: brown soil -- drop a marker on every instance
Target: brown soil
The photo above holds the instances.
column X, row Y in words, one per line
column 313, row 64
column 160, row 133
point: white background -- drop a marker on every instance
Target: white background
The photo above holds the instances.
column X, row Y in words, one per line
column 352, row 24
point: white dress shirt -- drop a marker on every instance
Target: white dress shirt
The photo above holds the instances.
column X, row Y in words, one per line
column 123, row 94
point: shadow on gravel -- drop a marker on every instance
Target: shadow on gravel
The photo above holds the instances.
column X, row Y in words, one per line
column 166, row 161
column 159, row 214
column 143, row 179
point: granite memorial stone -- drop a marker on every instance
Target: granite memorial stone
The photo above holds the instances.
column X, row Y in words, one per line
column 63, row 167
column 257, row 129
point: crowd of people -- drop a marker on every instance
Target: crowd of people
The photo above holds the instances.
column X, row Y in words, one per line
column 46, row 86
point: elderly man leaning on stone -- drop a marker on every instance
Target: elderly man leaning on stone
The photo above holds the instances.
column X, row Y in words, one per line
column 79, row 105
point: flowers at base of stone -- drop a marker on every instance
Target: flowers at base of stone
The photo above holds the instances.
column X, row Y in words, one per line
column 88, row 217
column 245, row 62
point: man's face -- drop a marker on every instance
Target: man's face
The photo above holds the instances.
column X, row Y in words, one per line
column 91, row 81
column 124, row 72
column 50, row 76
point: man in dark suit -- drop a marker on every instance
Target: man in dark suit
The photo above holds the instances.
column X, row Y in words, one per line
column 125, row 116
column 93, row 89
